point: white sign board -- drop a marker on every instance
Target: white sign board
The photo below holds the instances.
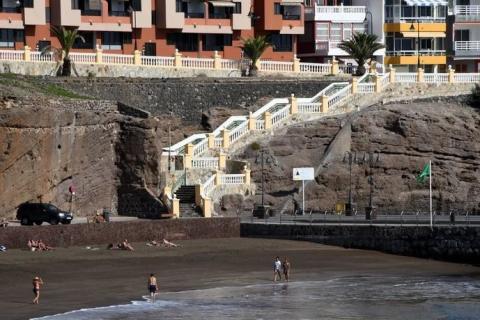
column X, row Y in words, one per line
column 304, row 174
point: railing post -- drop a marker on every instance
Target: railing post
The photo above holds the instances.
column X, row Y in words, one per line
column 167, row 190
column 198, row 194
column 293, row 104
column 217, row 61
column 207, row 207
column 222, row 161
column 178, row 59
column 335, row 68
column 268, row 120
column 252, row 122
column 247, row 171
column 226, row 138
column 26, row 53
column 258, row 64
column 451, row 75
column 324, row 106
column 392, row 74
column 187, row 157
column 354, row 85
column 378, row 84
column 137, row 57
column 373, row 67
column 175, row 207
column 218, row 178
column 420, row 75
column 211, row 141
column 296, row 63
column 98, row 55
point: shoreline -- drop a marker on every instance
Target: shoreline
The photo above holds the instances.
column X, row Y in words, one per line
column 78, row 278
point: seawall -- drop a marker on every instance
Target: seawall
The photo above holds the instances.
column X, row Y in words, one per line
column 113, row 232
column 456, row 244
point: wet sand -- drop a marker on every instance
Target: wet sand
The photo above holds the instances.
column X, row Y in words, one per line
column 78, row 278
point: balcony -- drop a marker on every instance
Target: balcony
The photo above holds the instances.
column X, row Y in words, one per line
column 428, row 57
column 329, row 48
column 467, row 13
column 467, row 48
column 338, row 14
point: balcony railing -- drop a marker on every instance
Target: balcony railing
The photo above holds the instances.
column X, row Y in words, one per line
column 340, row 9
column 467, row 11
column 415, row 53
column 340, row 13
column 463, row 48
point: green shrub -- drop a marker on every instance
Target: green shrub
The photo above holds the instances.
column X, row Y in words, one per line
column 255, row 146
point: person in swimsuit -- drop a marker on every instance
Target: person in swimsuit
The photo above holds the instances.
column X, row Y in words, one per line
column 286, row 269
column 277, row 268
column 37, row 281
column 152, row 286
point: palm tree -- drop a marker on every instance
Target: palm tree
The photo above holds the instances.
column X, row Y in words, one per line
column 67, row 38
column 253, row 48
column 361, row 48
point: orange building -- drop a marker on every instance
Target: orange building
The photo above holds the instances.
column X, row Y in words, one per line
column 196, row 28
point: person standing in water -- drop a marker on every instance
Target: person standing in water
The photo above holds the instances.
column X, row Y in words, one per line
column 277, row 268
column 152, row 286
column 286, row 269
column 37, row 282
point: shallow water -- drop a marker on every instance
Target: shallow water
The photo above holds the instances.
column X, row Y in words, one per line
column 341, row 298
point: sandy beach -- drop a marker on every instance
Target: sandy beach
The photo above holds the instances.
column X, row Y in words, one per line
column 77, row 278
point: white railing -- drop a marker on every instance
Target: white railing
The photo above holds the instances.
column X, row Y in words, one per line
column 205, row 163
column 117, row 58
column 366, row 87
column 13, row 55
column 276, row 66
column 436, row 77
column 385, row 79
column 313, row 107
column 232, row 179
column 467, row 77
column 230, row 64
column 38, row 56
column 200, row 147
column 280, row 115
column 179, row 147
column 340, row 9
column 322, row 68
column 209, row 185
column 339, row 96
column 467, row 45
column 238, row 132
column 158, row 61
column 404, row 77
column 467, row 10
column 347, row 69
column 218, row 142
column 260, row 124
column 198, row 63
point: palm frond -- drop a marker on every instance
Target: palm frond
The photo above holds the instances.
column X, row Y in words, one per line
column 361, row 47
column 254, row 47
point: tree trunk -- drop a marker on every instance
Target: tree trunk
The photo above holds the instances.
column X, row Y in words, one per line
column 253, row 72
column 67, row 67
column 361, row 70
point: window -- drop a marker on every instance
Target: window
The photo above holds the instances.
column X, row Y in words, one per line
column 183, row 41
column 179, row 6
column 19, row 35
column 28, row 3
column 219, row 12
column 322, row 31
column 127, row 38
column 238, row 7
column 43, row 44
column 47, row 14
column 277, row 8
column 136, row 5
column 212, row 42
column 462, row 35
column 89, row 38
column 112, row 40
column 6, row 38
column 154, row 17
column 281, row 42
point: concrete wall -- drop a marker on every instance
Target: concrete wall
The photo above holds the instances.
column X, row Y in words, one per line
column 134, row 231
column 457, row 244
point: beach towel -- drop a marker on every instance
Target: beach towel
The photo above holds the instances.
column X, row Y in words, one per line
column 3, row 248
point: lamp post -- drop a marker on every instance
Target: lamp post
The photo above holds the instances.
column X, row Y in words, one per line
column 372, row 161
column 350, row 157
column 369, row 25
column 412, row 28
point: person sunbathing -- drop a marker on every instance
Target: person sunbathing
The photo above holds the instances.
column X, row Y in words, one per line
column 127, row 246
column 169, row 244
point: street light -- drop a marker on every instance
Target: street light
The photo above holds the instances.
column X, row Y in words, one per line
column 372, row 161
column 412, row 28
column 369, row 25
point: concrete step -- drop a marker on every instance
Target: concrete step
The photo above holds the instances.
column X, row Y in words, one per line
column 189, row 210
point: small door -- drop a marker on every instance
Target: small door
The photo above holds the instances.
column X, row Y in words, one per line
column 150, row 49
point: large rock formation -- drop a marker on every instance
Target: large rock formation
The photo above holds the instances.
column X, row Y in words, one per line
column 405, row 136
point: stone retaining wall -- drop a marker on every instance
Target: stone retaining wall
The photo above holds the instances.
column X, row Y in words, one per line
column 146, row 230
column 456, row 244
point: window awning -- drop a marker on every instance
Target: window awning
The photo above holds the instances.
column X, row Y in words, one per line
column 222, row 3
column 291, row 2
column 414, row 34
column 427, row 2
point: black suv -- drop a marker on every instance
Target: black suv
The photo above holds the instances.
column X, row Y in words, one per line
column 29, row 213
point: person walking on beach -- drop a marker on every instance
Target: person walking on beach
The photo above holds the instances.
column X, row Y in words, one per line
column 286, row 269
column 152, row 286
column 37, row 282
column 277, row 269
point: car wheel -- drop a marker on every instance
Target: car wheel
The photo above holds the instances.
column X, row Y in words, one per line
column 38, row 222
column 25, row 222
column 66, row 222
column 53, row 221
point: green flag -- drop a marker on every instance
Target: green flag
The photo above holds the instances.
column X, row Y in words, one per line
column 424, row 174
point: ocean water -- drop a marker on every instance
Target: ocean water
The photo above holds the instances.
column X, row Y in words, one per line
column 359, row 297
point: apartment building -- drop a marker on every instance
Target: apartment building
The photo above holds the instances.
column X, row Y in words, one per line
column 196, row 28
column 464, row 35
column 328, row 22
column 415, row 34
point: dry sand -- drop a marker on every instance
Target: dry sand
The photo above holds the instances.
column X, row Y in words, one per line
column 78, row 278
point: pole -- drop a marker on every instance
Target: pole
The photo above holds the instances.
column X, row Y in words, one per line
column 418, row 44
column 263, row 186
column 350, row 160
column 303, row 197
column 169, row 150
column 431, row 212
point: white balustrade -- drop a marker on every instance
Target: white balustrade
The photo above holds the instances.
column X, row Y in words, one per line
column 405, row 77
column 230, row 64
column 209, row 185
column 198, row 63
column 280, row 115
column 179, row 147
column 321, row 68
column 347, row 69
column 260, row 124
column 200, row 147
column 38, row 56
column 436, row 77
column 366, row 88
column 158, row 61
column 205, row 163
column 11, row 55
column 339, row 96
column 276, row 66
column 238, row 132
column 467, row 77
column 313, row 107
column 108, row 58
column 83, row 57
column 385, row 79
column 326, row 10
column 218, row 142
column 230, row 179
column 467, row 10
